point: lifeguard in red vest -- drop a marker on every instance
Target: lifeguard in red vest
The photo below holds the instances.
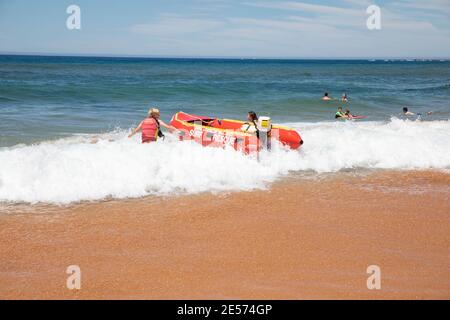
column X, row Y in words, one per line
column 151, row 127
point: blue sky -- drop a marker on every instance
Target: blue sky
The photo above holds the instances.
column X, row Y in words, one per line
column 228, row 28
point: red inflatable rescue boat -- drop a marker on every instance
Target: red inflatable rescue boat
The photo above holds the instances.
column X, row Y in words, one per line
column 224, row 132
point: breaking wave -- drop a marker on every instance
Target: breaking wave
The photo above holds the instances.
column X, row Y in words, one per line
column 76, row 169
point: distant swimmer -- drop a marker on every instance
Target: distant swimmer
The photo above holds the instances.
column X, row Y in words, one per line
column 408, row 113
column 344, row 97
column 151, row 127
column 326, row 97
column 340, row 114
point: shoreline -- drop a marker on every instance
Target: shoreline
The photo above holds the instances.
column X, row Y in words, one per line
column 302, row 239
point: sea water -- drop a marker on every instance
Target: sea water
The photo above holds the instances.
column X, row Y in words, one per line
column 53, row 108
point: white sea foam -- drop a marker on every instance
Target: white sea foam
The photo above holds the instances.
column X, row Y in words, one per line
column 73, row 169
column 397, row 144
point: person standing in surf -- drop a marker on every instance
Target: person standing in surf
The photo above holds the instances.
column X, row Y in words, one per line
column 151, row 127
column 250, row 126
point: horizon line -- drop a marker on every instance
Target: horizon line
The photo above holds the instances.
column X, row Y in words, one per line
column 88, row 55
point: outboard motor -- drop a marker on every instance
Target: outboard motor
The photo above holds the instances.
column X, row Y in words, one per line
column 264, row 128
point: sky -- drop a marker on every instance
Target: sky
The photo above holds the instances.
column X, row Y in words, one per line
column 228, row 28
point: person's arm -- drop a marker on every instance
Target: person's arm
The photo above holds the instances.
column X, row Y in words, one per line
column 245, row 127
column 168, row 127
column 210, row 122
column 139, row 128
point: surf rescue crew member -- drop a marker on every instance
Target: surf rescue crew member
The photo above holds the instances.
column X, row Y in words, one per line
column 251, row 126
column 151, row 127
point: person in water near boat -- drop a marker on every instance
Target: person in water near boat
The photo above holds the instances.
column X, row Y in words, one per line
column 408, row 113
column 326, row 97
column 250, row 126
column 150, row 127
column 340, row 114
column 348, row 114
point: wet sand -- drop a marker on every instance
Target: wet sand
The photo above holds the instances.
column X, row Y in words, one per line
column 300, row 239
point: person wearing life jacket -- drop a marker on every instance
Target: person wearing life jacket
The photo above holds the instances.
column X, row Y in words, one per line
column 251, row 126
column 151, row 127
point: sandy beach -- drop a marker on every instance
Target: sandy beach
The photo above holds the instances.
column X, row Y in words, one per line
column 225, row 150
column 300, row 239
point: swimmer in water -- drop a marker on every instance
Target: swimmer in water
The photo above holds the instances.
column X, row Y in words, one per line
column 340, row 114
column 326, row 97
column 348, row 114
column 344, row 97
column 408, row 113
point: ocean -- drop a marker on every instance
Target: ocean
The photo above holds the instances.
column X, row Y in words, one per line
column 53, row 107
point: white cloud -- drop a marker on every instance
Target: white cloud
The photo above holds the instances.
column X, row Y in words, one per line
column 298, row 29
column 292, row 24
column 305, row 7
column 174, row 25
column 438, row 6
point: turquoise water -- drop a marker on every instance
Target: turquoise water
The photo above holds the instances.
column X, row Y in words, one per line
column 51, row 97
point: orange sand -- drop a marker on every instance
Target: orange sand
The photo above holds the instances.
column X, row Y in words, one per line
column 299, row 239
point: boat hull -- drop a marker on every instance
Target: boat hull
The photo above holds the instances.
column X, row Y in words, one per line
column 213, row 132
